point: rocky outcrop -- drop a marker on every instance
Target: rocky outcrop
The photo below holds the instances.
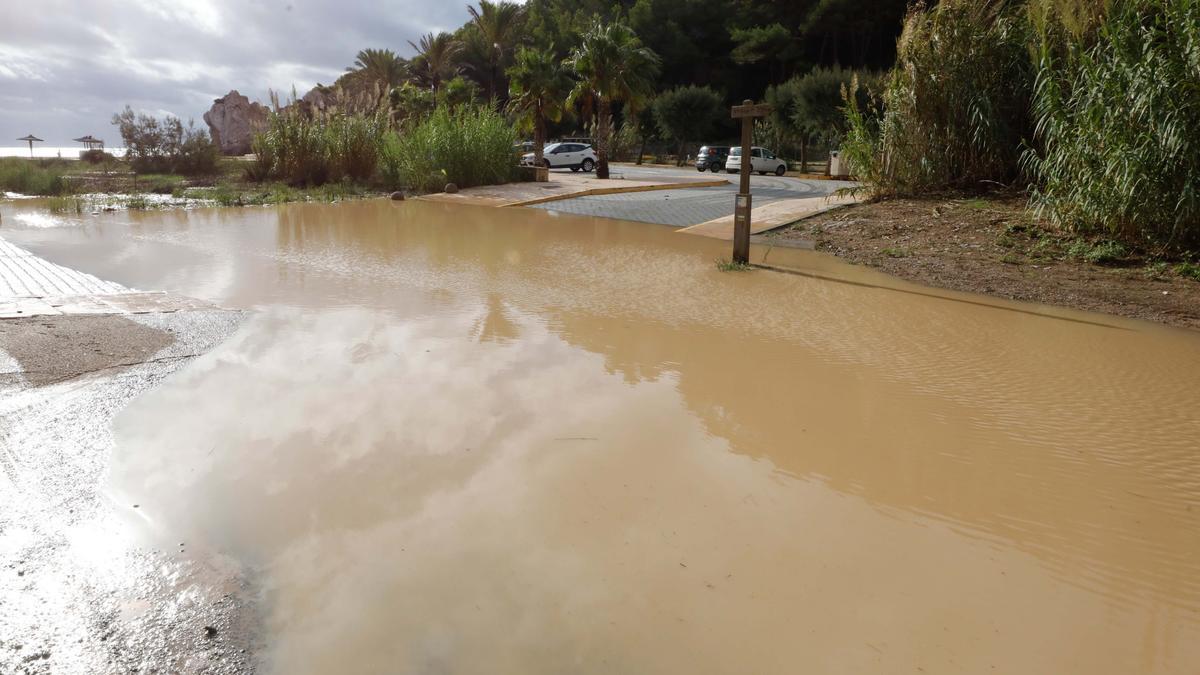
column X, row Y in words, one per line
column 232, row 122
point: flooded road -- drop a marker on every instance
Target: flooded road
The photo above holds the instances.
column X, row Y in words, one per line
column 454, row 439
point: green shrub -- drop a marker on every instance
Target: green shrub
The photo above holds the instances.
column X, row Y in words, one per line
column 1118, row 123
column 166, row 145
column 469, row 146
column 390, row 172
column 264, row 159
column 95, row 156
column 31, row 177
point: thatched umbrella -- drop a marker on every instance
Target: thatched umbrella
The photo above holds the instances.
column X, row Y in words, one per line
column 31, row 139
column 90, row 142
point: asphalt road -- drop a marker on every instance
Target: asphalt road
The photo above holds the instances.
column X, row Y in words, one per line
column 687, row 206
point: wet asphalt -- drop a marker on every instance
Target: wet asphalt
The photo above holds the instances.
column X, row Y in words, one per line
column 687, row 206
column 83, row 589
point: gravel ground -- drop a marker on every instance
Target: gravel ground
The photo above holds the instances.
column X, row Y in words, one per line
column 82, row 589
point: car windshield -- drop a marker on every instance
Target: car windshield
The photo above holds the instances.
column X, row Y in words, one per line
column 736, row 152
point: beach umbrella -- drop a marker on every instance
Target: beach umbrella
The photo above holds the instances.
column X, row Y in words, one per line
column 90, row 142
column 31, row 139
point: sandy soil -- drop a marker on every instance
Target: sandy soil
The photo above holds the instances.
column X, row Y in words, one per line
column 993, row 247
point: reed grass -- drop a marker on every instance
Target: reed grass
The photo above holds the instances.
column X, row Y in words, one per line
column 1118, row 124
column 955, row 107
column 310, row 149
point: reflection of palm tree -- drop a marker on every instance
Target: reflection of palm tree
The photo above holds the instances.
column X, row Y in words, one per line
column 497, row 23
column 539, row 88
column 380, row 65
column 437, row 57
column 612, row 65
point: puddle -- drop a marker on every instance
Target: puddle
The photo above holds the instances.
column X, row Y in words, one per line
column 461, row 439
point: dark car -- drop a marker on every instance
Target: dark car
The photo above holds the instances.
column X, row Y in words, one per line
column 712, row 157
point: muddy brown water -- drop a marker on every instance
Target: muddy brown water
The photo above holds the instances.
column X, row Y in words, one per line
column 460, row 439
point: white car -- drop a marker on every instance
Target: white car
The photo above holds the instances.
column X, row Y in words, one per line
column 761, row 160
column 573, row 156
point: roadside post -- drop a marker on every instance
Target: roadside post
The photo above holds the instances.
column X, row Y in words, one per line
column 747, row 112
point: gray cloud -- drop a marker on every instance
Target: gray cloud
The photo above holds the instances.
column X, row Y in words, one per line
column 66, row 67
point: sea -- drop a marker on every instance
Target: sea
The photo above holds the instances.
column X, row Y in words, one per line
column 49, row 152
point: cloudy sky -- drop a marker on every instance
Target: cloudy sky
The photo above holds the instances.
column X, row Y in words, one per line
column 67, row 66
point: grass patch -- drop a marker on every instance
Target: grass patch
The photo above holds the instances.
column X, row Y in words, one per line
column 895, row 252
column 32, row 177
column 1098, row 253
column 160, row 184
column 1188, row 269
column 726, row 265
column 65, row 205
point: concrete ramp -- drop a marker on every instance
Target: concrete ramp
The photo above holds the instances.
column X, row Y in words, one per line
column 771, row 216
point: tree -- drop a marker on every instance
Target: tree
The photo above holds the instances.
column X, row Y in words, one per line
column 611, row 65
column 538, row 87
column 808, row 108
column 760, row 44
column 458, row 92
column 381, row 66
column 498, row 24
column 166, row 145
column 686, row 114
column 437, row 57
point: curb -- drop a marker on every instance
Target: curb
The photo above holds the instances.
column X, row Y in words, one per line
column 619, row 190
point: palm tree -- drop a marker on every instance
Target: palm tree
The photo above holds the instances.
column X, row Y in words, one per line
column 612, row 65
column 497, row 23
column 437, row 57
column 380, row 65
column 538, row 88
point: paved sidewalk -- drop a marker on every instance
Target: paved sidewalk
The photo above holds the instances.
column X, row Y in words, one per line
column 24, row 275
column 33, row 286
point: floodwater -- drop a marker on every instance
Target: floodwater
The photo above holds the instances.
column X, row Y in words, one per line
column 456, row 439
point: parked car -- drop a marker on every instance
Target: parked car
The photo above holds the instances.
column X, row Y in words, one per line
column 574, row 156
column 761, row 160
column 712, row 157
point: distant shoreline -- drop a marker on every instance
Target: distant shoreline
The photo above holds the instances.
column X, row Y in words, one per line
column 52, row 152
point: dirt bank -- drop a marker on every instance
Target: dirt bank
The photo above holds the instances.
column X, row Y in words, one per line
column 993, row 246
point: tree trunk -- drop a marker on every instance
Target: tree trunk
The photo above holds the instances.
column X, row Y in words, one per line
column 641, row 150
column 603, row 121
column 679, row 154
column 804, row 154
column 539, row 137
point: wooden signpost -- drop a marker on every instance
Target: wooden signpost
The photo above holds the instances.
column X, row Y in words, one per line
column 747, row 112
